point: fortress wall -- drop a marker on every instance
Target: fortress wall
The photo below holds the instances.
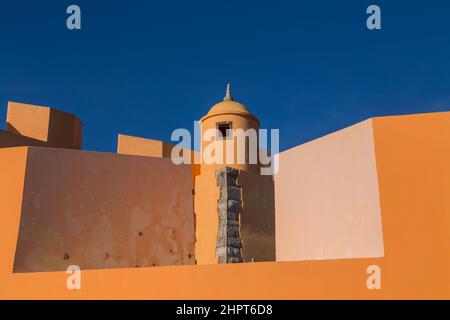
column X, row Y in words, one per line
column 327, row 200
column 100, row 210
column 412, row 159
column 140, row 146
column 137, row 146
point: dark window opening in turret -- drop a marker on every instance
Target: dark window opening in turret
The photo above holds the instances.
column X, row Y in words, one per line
column 224, row 130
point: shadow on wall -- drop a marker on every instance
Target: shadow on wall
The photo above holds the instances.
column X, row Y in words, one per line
column 257, row 217
column 11, row 128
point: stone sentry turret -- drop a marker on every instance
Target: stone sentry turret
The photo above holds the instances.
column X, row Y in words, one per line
column 233, row 223
column 229, row 207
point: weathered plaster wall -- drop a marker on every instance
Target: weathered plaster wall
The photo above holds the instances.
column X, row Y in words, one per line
column 326, row 198
column 99, row 210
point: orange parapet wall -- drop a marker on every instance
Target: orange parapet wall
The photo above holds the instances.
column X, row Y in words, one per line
column 37, row 125
column 100, row 210
column 154, row 148
column 257, row 228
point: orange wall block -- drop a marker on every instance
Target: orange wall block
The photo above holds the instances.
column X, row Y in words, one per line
column 153, row 148
column 99, row 210
column 143, row 147
column 55, row 128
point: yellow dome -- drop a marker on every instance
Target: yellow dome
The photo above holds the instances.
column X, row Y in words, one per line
column 225, row 107
column 228, row 106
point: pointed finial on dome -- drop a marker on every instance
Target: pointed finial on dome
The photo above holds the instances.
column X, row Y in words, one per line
column 228, row 96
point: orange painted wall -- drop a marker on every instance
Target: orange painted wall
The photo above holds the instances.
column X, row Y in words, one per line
column 100, row 210
column 238, row 122
column 28, row 120
column 412, row 154
column 206, row 218
column 64, row 130
column 153, row 148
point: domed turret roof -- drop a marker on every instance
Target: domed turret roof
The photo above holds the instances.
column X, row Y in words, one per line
column 228, row 106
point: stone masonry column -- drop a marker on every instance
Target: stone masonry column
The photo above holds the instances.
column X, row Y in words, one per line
column 228, row 247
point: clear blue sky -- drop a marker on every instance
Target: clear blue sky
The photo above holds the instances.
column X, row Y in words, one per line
column 147, row 67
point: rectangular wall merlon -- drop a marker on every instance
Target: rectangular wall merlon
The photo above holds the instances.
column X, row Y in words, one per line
column 9, row 140
column 140, row 146
column 100, row 210
column 54, row 128
column 327, row 199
